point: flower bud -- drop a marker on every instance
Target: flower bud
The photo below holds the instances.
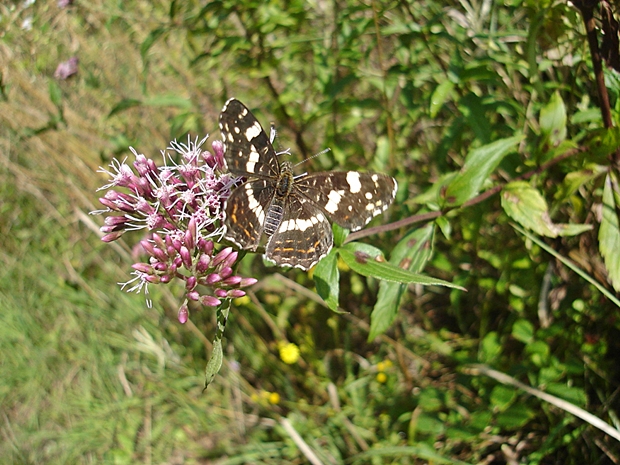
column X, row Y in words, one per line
column 183, row 314
column 209, row 301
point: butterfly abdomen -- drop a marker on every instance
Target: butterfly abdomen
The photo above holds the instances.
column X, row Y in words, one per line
column 274, row 216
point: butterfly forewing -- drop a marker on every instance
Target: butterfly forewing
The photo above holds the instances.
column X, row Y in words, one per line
column 351, row 199
column 247, row 149
column 245, row 213
column 295, row 210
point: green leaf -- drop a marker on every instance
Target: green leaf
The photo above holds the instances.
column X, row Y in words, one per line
column 575, row 395
column 149, row 41
column 326, row 279
column 360, row 261
column 215, row 362
column 217, row 355
column 340, row 234
column 527, row 206
column 430, row 400
column 429, row 424
column 515, row 416
column 412, row 253
column 415, row 249
column 489, row 348
column 523, row 330
column 609, row 232
column 553, row 119
column 574, row 180
column 439, row 97
column 502, row 397
column 124, row 105
column 479, row 164
column 55, row 94
column 432, row 196
column 539, row 352
column 476, row 115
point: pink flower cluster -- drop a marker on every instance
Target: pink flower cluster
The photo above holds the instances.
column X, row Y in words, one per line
column 181, row 205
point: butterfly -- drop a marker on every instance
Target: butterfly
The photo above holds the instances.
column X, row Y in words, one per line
column 292, row 211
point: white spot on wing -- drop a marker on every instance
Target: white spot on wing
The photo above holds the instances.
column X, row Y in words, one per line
column 334, row 200
column 253, row 131
column 353, row 178
column 254, row 156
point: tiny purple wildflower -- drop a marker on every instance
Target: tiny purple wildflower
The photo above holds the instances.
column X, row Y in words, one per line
column 180, row 205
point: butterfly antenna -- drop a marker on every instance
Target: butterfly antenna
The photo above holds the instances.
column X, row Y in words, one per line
column 314, row 156
column 273, row 134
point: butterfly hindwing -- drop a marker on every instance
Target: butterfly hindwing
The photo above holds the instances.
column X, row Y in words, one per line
column 304, row 237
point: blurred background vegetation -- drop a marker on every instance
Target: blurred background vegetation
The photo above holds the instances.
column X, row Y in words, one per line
column 89, row 374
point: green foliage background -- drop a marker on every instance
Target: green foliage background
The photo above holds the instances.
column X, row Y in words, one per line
column 485, row 112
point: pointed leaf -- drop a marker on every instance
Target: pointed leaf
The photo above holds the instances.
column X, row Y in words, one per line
column 553, row 119
column 609, row 232
column 479, row 165
column 374, row 265
column 326, row 279
column 439, row 97
column 124, row 105
column 217, row 354
column 215, row 362
column 574, row 180
column 412, row 253
column 55, row 93
column 527, row 206
column 149, row 41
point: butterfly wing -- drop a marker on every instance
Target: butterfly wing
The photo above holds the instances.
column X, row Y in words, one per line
column 304, row 235
column 349, row 198
column 247, row 149
column 245, row 213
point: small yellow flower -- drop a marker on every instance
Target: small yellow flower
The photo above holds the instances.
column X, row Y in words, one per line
column 274, row 398
column 382, row 366
column 289, row 353
column 381, row 377
column 241, row 301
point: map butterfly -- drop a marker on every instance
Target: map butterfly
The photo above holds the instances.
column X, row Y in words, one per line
column 291, row 210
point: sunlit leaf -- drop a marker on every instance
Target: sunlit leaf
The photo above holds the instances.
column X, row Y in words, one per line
column 326, row 278
column 374, row 265
column 440, row 95
column 553, row 119
column 609, row 232
column 411, row 253
column 527, row 206
column 479, row 164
